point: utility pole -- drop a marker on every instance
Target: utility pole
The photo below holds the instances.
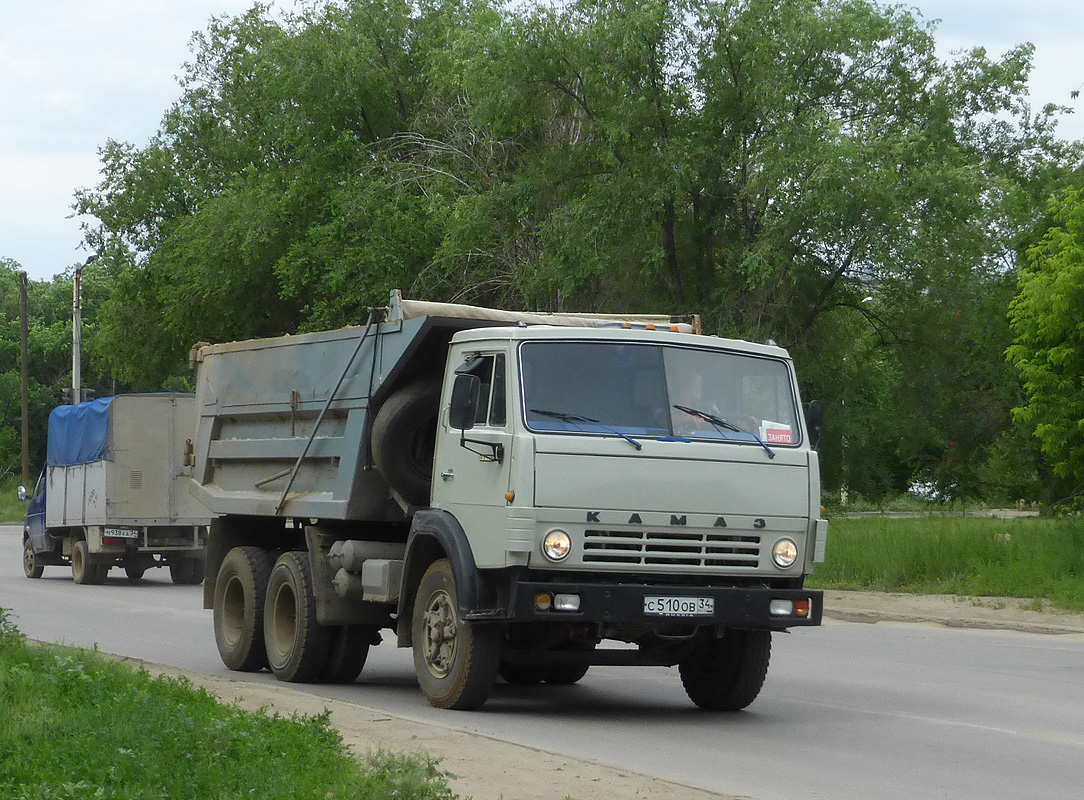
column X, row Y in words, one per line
column 77, row 330
column 24, row 372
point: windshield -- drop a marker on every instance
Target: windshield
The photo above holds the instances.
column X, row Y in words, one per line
column 634, row 390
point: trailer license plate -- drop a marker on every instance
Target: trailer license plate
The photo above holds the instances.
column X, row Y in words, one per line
column 679, row 606
column 121, row 533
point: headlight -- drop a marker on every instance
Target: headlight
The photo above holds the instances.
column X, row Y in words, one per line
column 557, row 545
column 784, row 553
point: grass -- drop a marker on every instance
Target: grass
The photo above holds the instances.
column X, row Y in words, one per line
column 75, row 726
column 12, row 509
column 1026, row 558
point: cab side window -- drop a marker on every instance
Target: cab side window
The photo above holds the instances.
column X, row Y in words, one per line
column 492, row 402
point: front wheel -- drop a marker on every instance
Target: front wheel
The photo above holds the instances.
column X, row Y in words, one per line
column 456, row 662
column 727, row 674
column 31, row 567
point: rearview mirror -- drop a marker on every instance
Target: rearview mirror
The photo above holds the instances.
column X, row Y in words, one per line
column 464, row 405
column 21, row 492
column 814, row 421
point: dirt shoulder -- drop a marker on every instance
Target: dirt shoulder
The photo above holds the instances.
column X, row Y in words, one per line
column 488, row 769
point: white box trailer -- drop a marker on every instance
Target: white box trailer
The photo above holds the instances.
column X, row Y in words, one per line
column 116, row 490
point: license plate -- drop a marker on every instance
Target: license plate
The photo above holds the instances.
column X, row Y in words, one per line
column 120, row 533
column 679, row 606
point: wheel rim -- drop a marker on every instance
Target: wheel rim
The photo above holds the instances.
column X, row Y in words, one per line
column 440, row 634
column 28, row 558
column 283, row 628
column 78, row 564
column 233, row 611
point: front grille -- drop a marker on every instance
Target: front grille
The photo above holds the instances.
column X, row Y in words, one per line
column 684, row 548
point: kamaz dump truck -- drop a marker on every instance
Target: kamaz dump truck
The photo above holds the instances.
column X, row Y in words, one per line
column 116, row 491
column 513, row 495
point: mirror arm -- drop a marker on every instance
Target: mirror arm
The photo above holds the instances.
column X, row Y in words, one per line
column 496, row 453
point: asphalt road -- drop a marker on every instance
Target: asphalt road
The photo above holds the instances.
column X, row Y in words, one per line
column 849, row 711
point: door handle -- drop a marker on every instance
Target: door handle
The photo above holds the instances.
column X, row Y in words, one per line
column 447, row 474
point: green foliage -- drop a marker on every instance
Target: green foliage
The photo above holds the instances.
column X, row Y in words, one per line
column 958, row 555
column 74, row 725
column 49, row 348
column 1048, row 349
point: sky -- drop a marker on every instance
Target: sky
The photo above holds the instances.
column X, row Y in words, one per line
column 76, row 73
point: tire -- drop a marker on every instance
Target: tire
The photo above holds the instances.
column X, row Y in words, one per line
column 456, row 662
column 187, row 571
column 403, row 438
column 727, row 674
column 567, row 674
column 134, row 571
column 84, row 570
column 347, row 652
column 524, row 674
column 31, row 567
column 238, row 608
column 297, row 645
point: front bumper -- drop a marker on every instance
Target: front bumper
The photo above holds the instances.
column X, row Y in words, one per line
column 623, row 604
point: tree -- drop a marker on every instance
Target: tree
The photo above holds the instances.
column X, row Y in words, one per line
column 49, row 350
column 1047, row 318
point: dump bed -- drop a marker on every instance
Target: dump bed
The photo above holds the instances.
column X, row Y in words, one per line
column 120, row 461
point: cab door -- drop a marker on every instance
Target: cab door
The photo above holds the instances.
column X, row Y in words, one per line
column 35, row 516
column 471, row 467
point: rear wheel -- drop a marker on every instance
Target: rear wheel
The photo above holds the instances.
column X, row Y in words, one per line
column 567, row 674
column 238, row 608
column 456, row 662
column 187, row 571
column 727, row 674
column 347, row 652
column 84, row 570
column 31, row 567
column 524, row 674
column 297, row 645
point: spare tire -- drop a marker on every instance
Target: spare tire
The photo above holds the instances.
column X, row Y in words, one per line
column 404, row 436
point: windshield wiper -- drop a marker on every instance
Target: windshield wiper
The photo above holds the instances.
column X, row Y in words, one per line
column 719, row 422
column 561, row 415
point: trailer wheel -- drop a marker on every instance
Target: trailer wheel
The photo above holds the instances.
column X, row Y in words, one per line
column 297, row 645
column 726, row 674
column 238, row 608
column 403, row 438
column 456, row 662
column 84, row 570
column 347, row 652
column 187, row 571
column 31, row 567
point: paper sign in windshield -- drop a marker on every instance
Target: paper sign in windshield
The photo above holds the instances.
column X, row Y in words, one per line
column 776, row 433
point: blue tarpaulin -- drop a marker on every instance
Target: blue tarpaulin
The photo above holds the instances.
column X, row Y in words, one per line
column 78, row 434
